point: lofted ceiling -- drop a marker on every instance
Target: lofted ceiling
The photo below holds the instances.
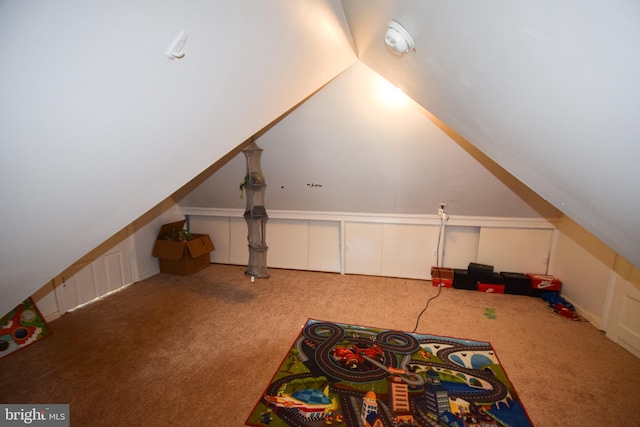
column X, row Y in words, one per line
column 98, row 126
column 549, row 90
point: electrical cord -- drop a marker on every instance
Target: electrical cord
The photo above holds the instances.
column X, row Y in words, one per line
column 438, row 274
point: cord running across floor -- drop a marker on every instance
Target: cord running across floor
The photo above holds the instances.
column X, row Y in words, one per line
column 439, row 282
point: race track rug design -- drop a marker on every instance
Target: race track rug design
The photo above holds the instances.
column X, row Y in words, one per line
column 345, row 375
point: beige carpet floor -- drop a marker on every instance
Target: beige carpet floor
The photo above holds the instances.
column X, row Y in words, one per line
column 200, row 350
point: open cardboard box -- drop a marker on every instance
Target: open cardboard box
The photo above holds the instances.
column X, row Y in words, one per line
column 186, row 257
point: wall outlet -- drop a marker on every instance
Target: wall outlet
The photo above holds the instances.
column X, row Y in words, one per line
column 441, row 213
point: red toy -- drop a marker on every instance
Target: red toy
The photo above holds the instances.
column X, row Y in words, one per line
column 351, row 356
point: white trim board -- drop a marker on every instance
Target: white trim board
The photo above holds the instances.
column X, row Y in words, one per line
column 387, row 218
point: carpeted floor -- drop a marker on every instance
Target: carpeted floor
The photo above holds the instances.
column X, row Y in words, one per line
column 199, row 350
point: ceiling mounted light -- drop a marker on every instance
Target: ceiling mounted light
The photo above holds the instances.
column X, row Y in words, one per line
column 398, row 39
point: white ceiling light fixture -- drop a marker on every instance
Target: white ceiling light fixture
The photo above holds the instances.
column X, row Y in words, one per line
column 398, row 39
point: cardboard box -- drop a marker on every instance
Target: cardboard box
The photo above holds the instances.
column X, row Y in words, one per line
column 441, row 273
column 489, row 282
column 541, row 283
column 446, row 283
column 516, row 283
column 463, row 280
column 479, row 269
column 494, row 278
column 442, row 276
column 491, row 288
column 182, row 257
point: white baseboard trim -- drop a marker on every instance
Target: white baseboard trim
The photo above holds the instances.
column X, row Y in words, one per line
column 50, row 317
column 422, row 219
column 148, row 274
column 591, row 318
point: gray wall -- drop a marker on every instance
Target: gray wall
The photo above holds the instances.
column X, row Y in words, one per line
column 355, row 146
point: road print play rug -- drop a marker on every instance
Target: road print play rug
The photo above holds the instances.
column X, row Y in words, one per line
column 344, row 375
column 21, row 327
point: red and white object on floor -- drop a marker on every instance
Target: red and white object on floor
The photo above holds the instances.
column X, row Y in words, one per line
column 544, row 282
column 446, row 283
column 442, row 276
column 491, row 288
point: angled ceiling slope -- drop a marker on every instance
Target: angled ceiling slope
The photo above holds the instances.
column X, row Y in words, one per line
column 549, row 90
column 98, row 126
column 359, row 146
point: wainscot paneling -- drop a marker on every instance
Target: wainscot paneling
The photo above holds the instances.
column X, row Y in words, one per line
column 515, row 249
column 378, row 244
